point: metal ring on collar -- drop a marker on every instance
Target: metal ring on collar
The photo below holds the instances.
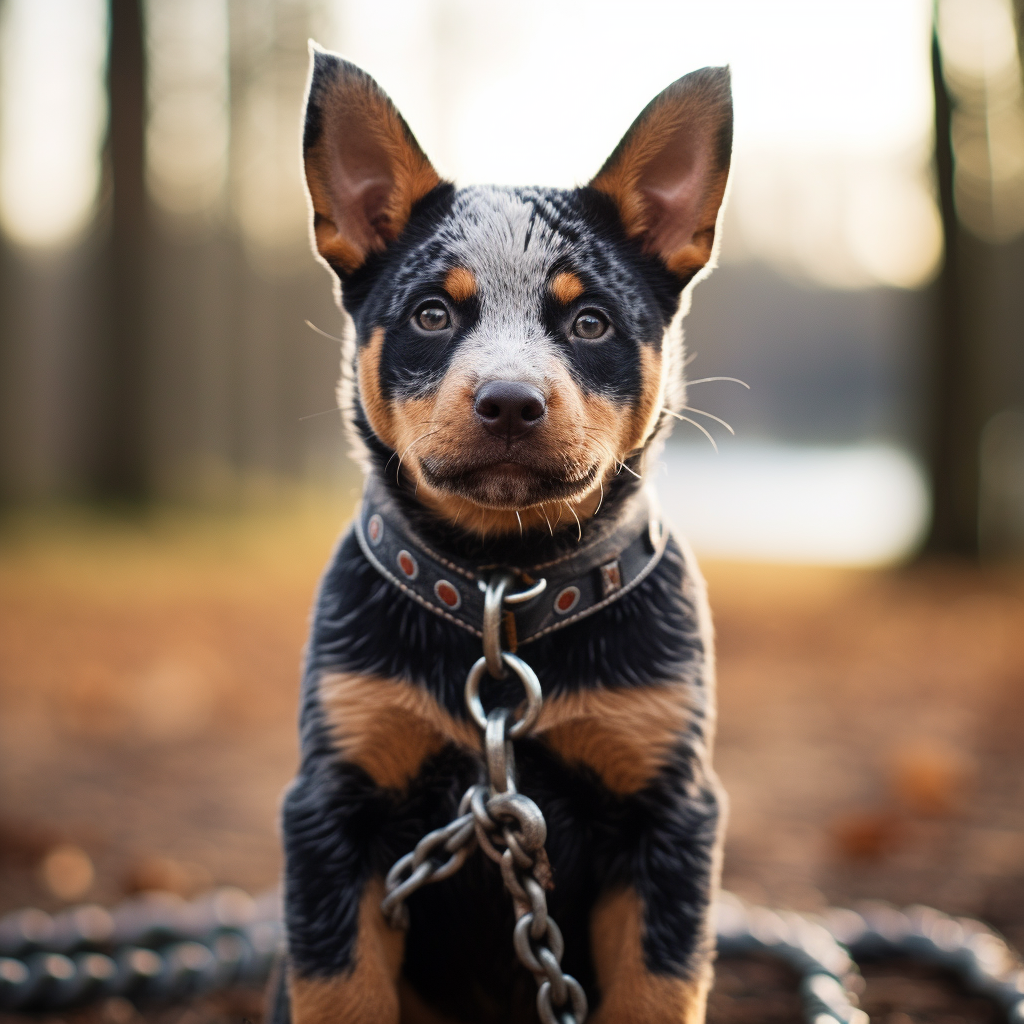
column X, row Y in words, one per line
column 531, row 684
column 495, row 600
column 522, row 596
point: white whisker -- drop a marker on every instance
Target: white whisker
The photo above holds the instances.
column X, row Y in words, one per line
column 704, row 380
column 520, row 523
column 324, row 412
column 601, row 502
column 323, row 334
column 686, row 419
column 543, row 512
column 579, row 525
column 710, row 416
column 622, row 465
column 409, row 448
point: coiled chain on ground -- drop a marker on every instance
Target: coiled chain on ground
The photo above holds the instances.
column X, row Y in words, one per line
column 157, row 948
column 161, row 948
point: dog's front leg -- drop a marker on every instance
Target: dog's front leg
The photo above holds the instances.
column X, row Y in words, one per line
column 651, row 938
column 343, row 957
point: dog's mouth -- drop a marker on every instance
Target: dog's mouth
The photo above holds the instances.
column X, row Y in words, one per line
column 509, row 483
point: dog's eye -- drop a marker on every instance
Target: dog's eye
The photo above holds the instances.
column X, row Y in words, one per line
column 589, row 325
column 433, row 318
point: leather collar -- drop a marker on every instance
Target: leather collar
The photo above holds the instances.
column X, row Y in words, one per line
column 579, row 583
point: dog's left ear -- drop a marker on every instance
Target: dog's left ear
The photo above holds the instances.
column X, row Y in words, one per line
column 668, row 174
column 364, row 169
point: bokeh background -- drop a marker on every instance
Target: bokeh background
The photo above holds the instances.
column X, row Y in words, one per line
column 173, row 471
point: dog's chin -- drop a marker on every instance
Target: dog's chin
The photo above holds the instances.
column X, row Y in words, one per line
column 507, row 486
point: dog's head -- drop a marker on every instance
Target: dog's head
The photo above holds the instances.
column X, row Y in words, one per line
column 512, row 348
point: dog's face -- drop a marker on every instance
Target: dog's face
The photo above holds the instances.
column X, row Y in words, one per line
column 512, row 346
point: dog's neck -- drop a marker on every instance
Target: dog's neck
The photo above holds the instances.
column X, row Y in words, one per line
column 579, row 572
column 540, row 540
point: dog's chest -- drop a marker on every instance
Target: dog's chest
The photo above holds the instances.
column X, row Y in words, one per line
column 622, row 689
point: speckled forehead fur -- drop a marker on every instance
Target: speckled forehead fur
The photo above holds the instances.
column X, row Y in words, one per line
column 514, row 241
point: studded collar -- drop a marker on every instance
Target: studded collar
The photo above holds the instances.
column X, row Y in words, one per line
column 579, row 583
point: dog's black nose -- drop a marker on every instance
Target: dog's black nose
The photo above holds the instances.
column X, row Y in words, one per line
column 509, row 408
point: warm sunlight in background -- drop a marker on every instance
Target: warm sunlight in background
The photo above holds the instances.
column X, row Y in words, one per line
column 52, row 62
column 832, row 184
column 833, row 111
column 174, row 472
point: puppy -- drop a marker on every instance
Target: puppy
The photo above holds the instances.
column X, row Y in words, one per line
column 515, row 361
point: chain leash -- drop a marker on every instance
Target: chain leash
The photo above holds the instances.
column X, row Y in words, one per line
column 505, row 824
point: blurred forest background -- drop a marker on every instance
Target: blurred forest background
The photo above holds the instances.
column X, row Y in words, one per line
column 156, row 279
column 173, row 474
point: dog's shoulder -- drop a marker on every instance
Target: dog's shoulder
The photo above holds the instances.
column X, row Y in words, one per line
column 384, row 681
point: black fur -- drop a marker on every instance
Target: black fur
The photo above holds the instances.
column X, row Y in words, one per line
column 340, row 828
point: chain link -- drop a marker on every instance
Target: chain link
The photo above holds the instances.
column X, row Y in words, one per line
column 505, row 824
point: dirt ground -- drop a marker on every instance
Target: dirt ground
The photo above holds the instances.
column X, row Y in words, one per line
column 871, row 734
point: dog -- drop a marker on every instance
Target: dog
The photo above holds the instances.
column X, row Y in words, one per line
column 513, row 365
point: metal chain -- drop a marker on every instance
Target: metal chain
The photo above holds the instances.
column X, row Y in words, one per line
column 160, row 948
column 157, row 948
column 506, row 824
column 146, row 950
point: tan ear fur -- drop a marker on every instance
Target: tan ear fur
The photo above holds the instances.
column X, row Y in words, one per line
column 668, row 174
column 364, row 169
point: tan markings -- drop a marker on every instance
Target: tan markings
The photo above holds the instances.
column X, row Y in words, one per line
column 581, row 433
column 460, row 283
column 608, row 424
column 630, row 993
column 337, row 250
column 583, row 438
column 621, row 180
column 664, row 178
column 625, row 736
column 494, row 522
column 565, row 287
column 648, row 408
column 691, row 258
column 378, row 411
column 364, row 174
column 367, row 993
column 388, row 728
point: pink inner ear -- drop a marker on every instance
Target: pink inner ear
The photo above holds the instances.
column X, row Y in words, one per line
column 360, row 189
column 674, row 185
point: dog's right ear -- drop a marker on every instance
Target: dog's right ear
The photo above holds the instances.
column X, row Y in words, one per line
column 667, row 176
column 364, row 169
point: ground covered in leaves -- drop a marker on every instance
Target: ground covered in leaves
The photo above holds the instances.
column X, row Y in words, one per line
column 871, row 734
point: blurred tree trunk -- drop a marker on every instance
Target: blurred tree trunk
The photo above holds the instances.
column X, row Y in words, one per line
column 1018, row 10
column 953, row 428
column 122, row 471
column 977, row 365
